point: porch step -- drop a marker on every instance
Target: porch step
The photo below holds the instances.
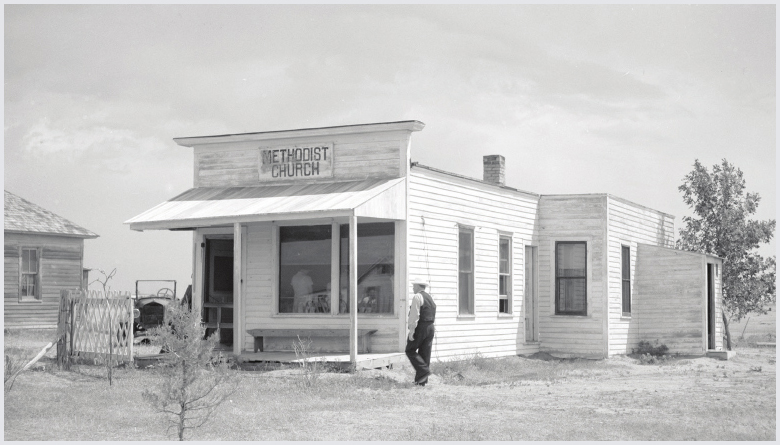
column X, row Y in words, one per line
column 722, row 355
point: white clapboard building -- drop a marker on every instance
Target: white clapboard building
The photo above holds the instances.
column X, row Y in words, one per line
column 278, row 218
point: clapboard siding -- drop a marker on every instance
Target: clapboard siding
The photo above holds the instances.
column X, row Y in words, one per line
column 438, row 204
column 60, row 268
column 670, row 309
column 259, row 304
column 572, row 218
column 355, row 157
column 628, row 225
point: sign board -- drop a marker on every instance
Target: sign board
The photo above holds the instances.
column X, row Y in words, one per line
column 297, row 162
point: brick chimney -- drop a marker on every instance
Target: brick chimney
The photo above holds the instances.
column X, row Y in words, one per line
column 493, row 169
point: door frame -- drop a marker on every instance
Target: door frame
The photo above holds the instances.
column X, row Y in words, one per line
column 531, row 299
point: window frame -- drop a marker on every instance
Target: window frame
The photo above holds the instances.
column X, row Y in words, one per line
column 469, row 310
column 37, row 293
column 625, row 280
column 558, row 279
column 508, row 274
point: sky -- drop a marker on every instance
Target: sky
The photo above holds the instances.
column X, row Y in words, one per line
column 618, row 99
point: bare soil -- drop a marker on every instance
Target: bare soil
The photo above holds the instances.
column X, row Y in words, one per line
column 515, row 398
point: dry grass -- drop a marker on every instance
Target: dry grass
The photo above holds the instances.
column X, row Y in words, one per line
column 513, row 398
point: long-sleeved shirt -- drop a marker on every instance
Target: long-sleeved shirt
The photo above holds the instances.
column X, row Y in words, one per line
column 414, row 314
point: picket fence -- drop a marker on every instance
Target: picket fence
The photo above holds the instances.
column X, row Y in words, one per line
column 95, row 325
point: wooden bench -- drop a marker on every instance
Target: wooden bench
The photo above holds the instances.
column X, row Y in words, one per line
column 363, row 335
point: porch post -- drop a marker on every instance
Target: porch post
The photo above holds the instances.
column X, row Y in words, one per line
column 238, row 328
column 353, row 296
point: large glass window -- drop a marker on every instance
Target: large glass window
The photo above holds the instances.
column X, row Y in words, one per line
column 504, row 274
column 29, row 288
column 375, row 269
column 304, row 269
column 466, row 271
column 625, row 253
column 570, row 278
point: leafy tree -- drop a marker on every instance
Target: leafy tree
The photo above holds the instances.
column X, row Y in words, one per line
column 721, row 227
column 194, row 382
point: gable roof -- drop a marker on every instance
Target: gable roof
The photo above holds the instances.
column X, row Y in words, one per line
column 22, row 216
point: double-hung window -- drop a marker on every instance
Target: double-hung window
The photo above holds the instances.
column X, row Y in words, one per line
column 570, row 278
column 505, row 275
column 29, row 280
column 625, row 254
column 466, row 271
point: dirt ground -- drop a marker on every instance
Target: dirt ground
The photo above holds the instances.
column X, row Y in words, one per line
column 515, row 398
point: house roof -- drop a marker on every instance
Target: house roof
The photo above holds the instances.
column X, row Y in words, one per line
column 22, row 216
column 208, row 206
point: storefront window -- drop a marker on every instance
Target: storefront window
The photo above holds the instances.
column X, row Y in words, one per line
column 375, row 269
column 304, row 269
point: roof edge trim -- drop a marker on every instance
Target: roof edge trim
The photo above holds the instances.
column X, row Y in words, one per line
column 411, row 125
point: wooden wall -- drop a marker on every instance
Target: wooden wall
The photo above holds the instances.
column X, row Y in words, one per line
column 573, row 218
column 630, row 224
column 438, row 203
column 356, row 156
column 60, row 268
column 669, row 302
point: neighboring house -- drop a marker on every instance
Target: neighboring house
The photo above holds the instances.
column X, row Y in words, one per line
column 44, row 254
column 512, row 272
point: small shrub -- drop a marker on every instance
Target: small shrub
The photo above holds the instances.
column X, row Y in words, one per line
column 13, row 367
column 194, row 382
column 647, row 359
column 645, row 347
column 312, row 369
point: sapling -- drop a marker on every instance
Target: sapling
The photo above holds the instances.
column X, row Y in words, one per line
column 194, row 382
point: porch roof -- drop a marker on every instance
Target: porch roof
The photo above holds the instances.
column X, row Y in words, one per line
column 211, row 206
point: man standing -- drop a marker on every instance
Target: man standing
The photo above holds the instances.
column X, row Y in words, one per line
column 422, row 314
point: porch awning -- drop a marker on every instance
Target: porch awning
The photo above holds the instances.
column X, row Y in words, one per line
column 210, row 206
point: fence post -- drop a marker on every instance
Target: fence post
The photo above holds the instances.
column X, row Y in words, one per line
column 63, row 352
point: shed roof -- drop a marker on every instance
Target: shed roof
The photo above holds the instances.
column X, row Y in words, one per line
column 208, row 206
column 22, row 216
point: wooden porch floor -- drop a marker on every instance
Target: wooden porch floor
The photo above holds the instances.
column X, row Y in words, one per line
column 364, row 361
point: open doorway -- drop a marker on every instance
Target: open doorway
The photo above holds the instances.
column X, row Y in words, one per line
column 710, row 306
column 218, row 290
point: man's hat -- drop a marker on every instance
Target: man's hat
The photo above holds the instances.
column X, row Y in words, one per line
column 421, row 283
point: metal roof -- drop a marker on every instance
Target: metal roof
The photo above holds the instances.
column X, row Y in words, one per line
column 209, row 206
column 22, row 216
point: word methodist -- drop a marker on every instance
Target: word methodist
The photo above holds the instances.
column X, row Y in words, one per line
column 296, row 162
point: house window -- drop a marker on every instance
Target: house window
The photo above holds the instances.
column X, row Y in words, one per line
column 375, row 269
column 626, row 278
column 570, row 278
column 304, row 269
column 466, row 271
column 504, row 275
column 30, row 279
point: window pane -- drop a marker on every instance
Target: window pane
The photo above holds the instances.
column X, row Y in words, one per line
column 571, row 297
column 626, row 257
column 223, row 273
column 376, row 268
column 503, row 285
column 464, row 293
column 571, row 260
column 626, row 296
column 464, row 252
column 503, row 255
column 304, row 269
